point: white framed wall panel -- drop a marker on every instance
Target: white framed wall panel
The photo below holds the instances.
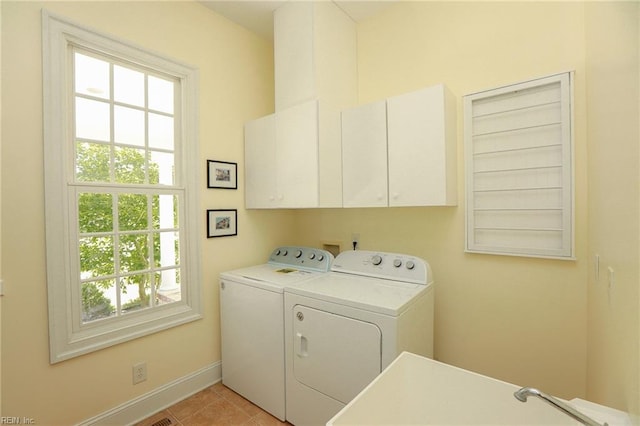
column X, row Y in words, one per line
column 519, row 169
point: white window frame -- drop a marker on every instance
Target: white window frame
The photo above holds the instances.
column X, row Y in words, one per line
column 516, row 225
column 68, row 337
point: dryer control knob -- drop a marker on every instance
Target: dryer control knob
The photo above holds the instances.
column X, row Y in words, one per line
column 320, row 257
column 312, row 256
column 278, row 252
column 411, row 264
column 286, row 252
column 298, row 253
column 376, row 260
column 397, row 263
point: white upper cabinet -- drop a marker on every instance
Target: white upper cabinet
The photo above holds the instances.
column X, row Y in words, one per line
column 292, row 157
column 364, row 156
column 286, row 165
column 281, row 159
column 297, row 156
column 260, row 163
column 422, row 148
column 402, row 152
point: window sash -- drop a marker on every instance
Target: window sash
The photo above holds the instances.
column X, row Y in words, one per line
column 69, row 337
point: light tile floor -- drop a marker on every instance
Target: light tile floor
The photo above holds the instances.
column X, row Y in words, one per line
column 215, row 405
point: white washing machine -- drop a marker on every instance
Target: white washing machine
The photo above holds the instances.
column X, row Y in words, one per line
column 343, row 328
column 252, row 322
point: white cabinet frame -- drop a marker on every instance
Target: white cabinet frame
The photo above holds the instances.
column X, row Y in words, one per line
column 519, row 169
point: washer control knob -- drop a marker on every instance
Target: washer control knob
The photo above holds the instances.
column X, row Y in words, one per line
column 411, row 264
column 278, row 252
column 376, row 260
column 286, row 252
column 397, row 263
column 298, row 253
column 320, row 257
column 312, row 256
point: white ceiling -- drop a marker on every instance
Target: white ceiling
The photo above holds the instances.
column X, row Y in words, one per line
column 257, row 15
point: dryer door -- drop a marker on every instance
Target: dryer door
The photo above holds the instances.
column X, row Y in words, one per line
column 333, row 354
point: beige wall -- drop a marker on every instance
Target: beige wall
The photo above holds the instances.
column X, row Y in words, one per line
column 1, row 298
column 518, row 319
column 535, row 322
column 613, row 93
column 522, row 320
column 236, row 84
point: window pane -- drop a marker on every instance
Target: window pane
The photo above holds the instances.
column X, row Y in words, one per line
column 136, row 292
column 98, row 300
column 96, row 257
column 95, row 212
column 92, row 120
column 134, row 253
column 93, row 162
column 132, row 212
column 166, row 245
column 160, row 94
column 91, row 76
column 160, row 131
column 128, row 86
column 168, row 287
column 165, row 212
column 128, row 126
column 129, row 165
column 161, row 168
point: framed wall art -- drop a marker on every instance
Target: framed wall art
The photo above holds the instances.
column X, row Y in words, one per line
column 222, row 174
column 222, row 223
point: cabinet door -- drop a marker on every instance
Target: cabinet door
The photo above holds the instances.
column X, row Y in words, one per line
column 420, row 153
column 260, row 163
column 297, row 156
column 364, row 156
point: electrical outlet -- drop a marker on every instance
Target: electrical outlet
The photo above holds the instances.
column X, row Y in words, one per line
column 355, row 239
column 139, row 372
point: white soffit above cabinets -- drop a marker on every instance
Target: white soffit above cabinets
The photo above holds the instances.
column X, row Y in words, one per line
column 257, row 16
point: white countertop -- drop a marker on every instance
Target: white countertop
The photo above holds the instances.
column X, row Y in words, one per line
column 416, row 390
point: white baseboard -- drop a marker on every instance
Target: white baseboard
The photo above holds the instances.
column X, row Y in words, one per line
column 158, row 399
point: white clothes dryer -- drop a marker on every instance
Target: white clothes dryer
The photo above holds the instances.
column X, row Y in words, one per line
column 252, row 322
column 343, row 328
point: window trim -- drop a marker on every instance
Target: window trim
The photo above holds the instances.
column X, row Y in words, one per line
column 67, row 337
column 567, row 249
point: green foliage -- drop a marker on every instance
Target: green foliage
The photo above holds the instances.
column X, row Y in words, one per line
column 94, row 304
column 96, row 215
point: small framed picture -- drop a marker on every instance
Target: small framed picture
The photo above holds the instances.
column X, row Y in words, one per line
column 222, row 174
column 222, row 223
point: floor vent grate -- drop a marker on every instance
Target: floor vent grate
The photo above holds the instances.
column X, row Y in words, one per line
column 164, row 422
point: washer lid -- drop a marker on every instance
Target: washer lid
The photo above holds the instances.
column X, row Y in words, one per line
column 371, row 294
column 270, row 276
